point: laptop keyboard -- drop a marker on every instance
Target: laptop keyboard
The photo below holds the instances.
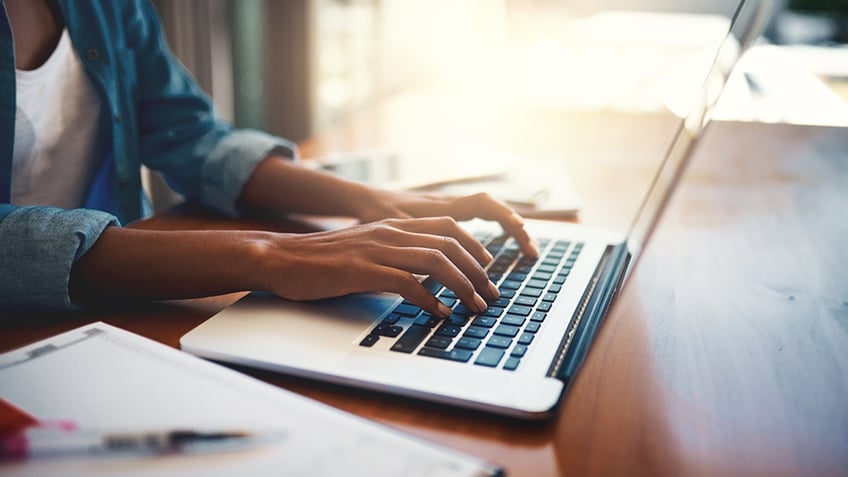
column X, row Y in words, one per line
column 499, row 336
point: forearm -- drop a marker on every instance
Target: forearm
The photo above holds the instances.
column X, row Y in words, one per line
column 163, row 265
column 283, row 185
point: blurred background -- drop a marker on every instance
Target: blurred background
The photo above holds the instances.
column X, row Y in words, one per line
column 363, row 74
column 295, row 67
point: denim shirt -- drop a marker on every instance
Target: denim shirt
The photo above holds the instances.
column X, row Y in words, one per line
column 153, row 113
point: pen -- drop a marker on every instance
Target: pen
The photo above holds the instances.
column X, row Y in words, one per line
column 65, row 439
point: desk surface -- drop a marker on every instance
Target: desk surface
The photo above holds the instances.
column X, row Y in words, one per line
column 726, row 354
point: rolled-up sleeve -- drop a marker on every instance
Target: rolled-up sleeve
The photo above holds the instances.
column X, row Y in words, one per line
column 40, row 246
column 179, row 132
column 232, row 160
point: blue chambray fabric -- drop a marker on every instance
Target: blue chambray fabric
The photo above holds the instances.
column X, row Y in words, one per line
column 153, row 113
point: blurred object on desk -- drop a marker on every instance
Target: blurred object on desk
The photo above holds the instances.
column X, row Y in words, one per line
column 532, row 192
column 542, row 190
column 788, row 85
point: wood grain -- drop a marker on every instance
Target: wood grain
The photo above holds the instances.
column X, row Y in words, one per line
column 726, row 354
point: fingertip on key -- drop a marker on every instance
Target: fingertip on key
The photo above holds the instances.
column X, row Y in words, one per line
column 480, row 302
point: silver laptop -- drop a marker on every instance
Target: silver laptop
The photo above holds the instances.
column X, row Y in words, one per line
column 519, row 356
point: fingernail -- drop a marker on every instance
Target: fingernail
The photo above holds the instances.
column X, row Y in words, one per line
column 481, row 303
column 493, row 291
column 519, row 219
column 444, row 310
column 488, row 255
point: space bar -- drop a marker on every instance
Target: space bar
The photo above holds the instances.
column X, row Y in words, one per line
column 411, row 339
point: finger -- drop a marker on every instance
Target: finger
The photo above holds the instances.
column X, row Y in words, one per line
column 486, row 207
column 433, row 262
column 462, row 259
column 469, row 265
column 448, row 227
column 385, row 278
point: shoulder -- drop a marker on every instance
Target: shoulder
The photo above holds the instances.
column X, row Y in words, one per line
column 114, row 16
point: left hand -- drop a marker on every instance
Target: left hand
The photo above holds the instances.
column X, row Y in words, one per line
column 403, row 204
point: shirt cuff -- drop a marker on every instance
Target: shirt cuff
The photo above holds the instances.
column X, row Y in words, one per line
column 40, row 246
column 231, row 163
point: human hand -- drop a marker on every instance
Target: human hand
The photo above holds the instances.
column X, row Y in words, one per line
column 403, row 204
column 379, row 256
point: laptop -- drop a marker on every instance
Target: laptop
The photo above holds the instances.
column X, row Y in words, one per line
column 519, row 356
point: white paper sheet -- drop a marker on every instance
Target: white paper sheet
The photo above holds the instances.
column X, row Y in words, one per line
column 109, row 379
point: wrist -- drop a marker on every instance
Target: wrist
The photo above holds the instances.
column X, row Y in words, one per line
column 253, row 258
column 374, row 204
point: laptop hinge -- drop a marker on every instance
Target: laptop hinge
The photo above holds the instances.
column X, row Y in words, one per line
column 590, row 312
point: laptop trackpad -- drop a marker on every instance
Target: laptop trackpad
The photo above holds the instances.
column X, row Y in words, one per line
column 264, row 326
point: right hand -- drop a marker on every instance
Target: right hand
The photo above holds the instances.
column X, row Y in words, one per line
column 380, row 256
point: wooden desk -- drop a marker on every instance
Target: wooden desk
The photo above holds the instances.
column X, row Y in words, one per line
column 726, row 354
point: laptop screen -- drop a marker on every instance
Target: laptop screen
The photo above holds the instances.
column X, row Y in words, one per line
column 745, row 26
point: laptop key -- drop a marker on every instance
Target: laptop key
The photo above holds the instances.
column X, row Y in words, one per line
column 448, row 330
column 520, row 310
column 519, row 350
column 447, row 293
column 514, row 320
column 493, row 311
column 391, row 319
column 501, row 302
column 511, row 363
column 463, row 310
column 507, row 330
column 536, row 284
column 525, row 260
column 484, row 321
column 387, row 330
column 489, row 357
column 407, row 309
column 427, row 320
column 544, row 276
column 555, row 288
column 498, row 268
column 525, row 300
column 560, row 279
column 507, row 293
column 499, row 342
column 538, row 316
column 441, row 342
column 523, row 268
column 532, row 327
column 544, row 306
column 369, row 340
column 476, row 332
column 510, row 285
column 410, row 340
column 525, row 338
column 549, row 297
column 461, row 355
column 468, row 343
column 432, row 285
column 518, row 277
column 532, row 292
column 458, row 320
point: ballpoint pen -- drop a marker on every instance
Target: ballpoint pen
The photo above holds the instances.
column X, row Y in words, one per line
column 65, row 439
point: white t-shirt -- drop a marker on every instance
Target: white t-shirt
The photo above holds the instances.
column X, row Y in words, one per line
column 56, row 122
